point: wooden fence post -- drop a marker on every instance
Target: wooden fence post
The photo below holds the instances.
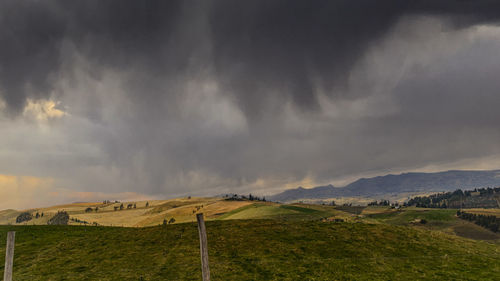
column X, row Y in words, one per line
column 205, row 270
column 9, row 256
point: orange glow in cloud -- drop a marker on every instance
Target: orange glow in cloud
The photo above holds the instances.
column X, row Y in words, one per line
column 25, row 192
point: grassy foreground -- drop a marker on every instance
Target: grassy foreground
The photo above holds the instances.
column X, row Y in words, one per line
column 249, row 250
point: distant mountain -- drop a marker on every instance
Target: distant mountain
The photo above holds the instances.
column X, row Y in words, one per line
column 394, row 184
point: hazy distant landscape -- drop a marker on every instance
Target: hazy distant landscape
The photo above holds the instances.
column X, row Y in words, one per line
column 398, row 187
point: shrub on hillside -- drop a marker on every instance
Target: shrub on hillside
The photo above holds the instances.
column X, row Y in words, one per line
column 24, row 217
column 61, row 218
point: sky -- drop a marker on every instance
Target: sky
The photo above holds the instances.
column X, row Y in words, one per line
column 118, row 99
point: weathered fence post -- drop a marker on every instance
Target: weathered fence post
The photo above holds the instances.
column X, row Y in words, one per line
column 9, row 256
column 205, row 270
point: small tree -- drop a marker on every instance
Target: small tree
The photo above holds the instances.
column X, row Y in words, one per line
column 88, row 210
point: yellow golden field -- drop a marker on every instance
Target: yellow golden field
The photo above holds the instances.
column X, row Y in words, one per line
column 138, row 215
column 488, row 212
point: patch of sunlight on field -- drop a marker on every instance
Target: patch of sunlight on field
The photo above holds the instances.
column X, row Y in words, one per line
column 258, row 211
column 481, row 211
column 8, row 216
column 212, row 208
column 113, row 218
column 152, row 214
column 221, row 207
column 371, row 210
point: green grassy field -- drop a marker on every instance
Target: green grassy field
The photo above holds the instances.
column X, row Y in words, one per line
column 249, row 250
column 283, row 212
column 436, row 219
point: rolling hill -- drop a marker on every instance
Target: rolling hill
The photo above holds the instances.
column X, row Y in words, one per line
column 396, row 184
column 153, row 213
column 250, row 250
column 251, row 240
column 132, row 214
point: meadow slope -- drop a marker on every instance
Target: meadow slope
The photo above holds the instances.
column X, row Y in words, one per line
column 250, row 250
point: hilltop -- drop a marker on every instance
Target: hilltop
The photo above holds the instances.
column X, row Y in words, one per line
column 406, row 183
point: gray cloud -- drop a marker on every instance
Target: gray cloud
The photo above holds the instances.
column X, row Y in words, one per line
column 208, row 96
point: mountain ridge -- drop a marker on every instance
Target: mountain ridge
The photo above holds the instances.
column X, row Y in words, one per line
column 408, row 182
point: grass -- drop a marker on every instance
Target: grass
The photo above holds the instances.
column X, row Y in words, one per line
column 437, row 219
column 283, row 212
column 254, row 241
column 470, row 230
column 258, row 210
column 406, row 216
column 249, row 250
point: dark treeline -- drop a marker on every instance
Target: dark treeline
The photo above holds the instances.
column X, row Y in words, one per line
column 79, row 221
column 236, row 197
column 382, row 203
column 490, row 222
column 477, row 198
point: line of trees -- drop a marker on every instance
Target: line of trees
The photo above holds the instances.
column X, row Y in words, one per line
column 171, row 221
column 380, row 203
column 490, row 222
column 79, row 221
column 89, row 209
column 236, row 197
column 477, row 198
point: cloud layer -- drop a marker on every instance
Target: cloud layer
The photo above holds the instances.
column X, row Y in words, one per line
column 206, row 97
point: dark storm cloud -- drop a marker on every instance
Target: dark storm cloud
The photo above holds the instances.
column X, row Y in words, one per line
column 158, row 81
column 259, row 47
